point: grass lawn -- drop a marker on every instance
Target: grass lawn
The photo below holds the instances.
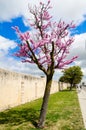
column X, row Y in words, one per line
column 63, row 114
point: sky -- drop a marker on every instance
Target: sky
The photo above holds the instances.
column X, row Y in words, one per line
column 16, row 13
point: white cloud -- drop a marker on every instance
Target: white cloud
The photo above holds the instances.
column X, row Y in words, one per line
column 5, row 45
column 12, row 8
column 67, row 9
column 10, row 63
column 79, row 49
column 79, row 46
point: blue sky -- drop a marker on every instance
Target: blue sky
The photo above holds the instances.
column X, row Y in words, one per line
column 6, row 28
column 16, row 14
column 81, row 28
column 9, row 33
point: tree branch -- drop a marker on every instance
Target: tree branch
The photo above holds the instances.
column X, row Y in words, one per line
column 51, row 67
column 34, row 58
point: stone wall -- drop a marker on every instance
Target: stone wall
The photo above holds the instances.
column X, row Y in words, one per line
column 16, row 88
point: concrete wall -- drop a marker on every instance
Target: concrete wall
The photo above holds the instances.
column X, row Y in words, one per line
column 16, row 88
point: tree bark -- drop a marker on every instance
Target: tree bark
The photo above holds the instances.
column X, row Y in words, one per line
column 71, row 87
column 45, row 102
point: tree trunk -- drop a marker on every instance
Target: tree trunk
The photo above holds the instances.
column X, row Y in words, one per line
column 45, row 102
column 71, row 87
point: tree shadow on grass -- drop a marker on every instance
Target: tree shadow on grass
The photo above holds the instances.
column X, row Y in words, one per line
column 16, row 117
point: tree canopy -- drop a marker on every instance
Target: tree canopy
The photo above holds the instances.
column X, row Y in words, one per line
column 72, row 75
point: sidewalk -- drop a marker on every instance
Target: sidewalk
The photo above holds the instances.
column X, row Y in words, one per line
column 82, row 101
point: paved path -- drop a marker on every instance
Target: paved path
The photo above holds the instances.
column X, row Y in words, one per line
column 82, row 101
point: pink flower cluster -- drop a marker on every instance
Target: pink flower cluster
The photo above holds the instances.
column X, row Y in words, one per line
column 50, row 35
column 23, row 36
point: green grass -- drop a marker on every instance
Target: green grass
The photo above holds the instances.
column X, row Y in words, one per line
column 63, row 114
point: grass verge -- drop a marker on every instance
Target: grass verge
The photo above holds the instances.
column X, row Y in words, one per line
column 63, row 114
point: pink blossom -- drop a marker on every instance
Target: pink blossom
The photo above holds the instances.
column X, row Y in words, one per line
column 61, row 65
column 48, row 1
column 38, row 48
column 41, row 3
column 23, row 36
column 27, row 61
column 16, row 28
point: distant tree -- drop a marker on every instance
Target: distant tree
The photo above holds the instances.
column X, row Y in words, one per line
column 48, row 47
column 62, row 79
column 72, row 75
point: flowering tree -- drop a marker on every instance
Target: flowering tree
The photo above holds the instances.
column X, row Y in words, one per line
column 47, row 48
